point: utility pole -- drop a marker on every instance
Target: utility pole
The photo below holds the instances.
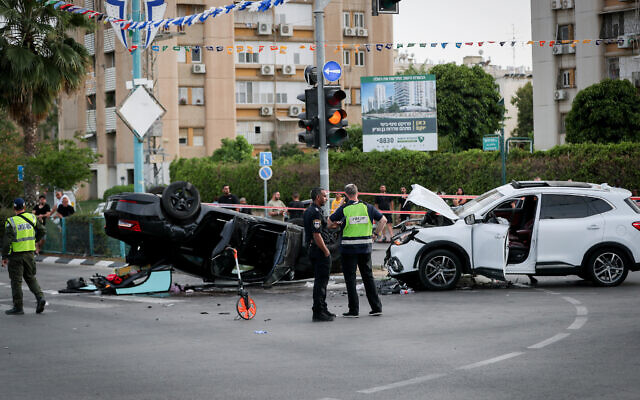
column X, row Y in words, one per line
column 138, row 148
column 318, row 13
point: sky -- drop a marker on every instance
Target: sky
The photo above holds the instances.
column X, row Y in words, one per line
column 465, row 21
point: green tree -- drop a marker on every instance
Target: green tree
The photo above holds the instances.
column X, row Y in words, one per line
column 38, row 61
column 233, row 150
column 414, row 70
column 468, row 105
column 61, row 164
column 606, row 112
column 10, row 158
column 354, row 142
column 286, row 150
column 523, row 100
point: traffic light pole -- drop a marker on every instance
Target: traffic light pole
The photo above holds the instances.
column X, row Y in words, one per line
column 138, row 153
column 318, row 13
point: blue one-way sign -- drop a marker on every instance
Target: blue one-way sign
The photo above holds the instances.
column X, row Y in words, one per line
column 332, row 71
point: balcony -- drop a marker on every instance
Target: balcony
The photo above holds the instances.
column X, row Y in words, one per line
column 109, row 39
column 257, row 138
column 91, row 121
column 89, row 4
column 90, row 43
column 110, row 119
column 90, row 83
column 109, row 79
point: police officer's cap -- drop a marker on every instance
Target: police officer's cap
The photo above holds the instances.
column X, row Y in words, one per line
column 18, row 203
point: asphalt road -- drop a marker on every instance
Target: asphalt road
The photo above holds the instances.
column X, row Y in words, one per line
column 561, row 340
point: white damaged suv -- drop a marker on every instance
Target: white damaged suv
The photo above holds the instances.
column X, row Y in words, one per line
column 535, row 228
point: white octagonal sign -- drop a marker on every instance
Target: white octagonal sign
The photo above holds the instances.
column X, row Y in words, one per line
column 139, row 111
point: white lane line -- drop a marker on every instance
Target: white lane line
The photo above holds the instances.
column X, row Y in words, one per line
column 3, row 284
column 581, row 310
column 491, row 360
column 76, row 261
column 408, row 382
column 138, row 299
column 578, row 323
column 49, row 260
column 572, row 300
column 549, row 341
column 51, row 292
column 79, row 304
column 103, row 263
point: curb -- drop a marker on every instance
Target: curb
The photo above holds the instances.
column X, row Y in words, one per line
column 79, row 261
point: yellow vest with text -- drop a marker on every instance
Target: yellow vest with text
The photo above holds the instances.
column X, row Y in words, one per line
column 358, row 227
column 25, row 233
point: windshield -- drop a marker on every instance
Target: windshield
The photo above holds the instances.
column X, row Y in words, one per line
column 472, row 206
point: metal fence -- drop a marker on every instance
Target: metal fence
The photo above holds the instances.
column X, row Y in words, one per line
column 82, row 236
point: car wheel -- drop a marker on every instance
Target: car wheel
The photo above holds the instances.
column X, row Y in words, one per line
column 440, row 270
column 607, row 267
column 181, row 200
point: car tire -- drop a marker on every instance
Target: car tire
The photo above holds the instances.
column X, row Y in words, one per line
column 607, row 267
column 440, row 270
column 181, row 200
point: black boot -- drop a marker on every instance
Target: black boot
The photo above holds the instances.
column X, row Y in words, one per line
column 322, row 317
column 15, row 311
column 40, row 306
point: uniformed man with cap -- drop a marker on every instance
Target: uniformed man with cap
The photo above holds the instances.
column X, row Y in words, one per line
column 315, row 229
column 356, row 218
column 21, row 233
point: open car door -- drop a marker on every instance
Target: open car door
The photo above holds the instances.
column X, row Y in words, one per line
column 490, row 249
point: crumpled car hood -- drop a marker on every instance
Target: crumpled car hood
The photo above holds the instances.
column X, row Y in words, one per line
column 426, row 198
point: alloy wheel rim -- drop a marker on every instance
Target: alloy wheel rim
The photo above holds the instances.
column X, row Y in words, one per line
column 608, row 267
column 440, row 270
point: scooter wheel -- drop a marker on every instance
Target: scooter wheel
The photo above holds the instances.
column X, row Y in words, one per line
column 246, row 312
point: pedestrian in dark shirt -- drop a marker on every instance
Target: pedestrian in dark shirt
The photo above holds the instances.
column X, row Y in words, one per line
column 385, row 203
column 64, row 209
column 315, row 228
column 244, row 210
column 227, row 197
column 405, row 205
column 42, row 211
column 295, row 203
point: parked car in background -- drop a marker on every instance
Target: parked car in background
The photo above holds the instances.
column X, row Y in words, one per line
column 535, row 228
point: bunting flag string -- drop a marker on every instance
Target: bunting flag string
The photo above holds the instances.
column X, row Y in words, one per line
column 283, row 47
column 128, row 24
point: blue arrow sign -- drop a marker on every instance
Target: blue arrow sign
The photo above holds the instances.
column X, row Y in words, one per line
column 266, row 160
column 265, row 173
column 20, row 173
column 332, row 71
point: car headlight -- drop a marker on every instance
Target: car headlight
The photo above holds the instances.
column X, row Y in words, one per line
column 393, row 265
column 404, row 237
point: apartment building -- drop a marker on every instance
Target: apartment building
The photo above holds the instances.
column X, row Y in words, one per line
column 210, row 95
column 561, row 71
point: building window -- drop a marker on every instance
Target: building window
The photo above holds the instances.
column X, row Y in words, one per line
column 183, row 10
column 358, row 20
column 347, row 99
column 613, row 67
column 346, row 57
column 565, row 32
column 356, row 93
column 281, row 98
column 91, row 102
column 196, row 55
column 612, row 26
column 197, row 96
column 197, row 135
column 563, row 123
column 183, row 136
column 191, row 96
column 183, row 96
column 248, row 58
column 568, row 78
column 110, row 59
column 296, row 58
column 359, row 58
column 346, row 20
column 182, row 55
column 110, row 99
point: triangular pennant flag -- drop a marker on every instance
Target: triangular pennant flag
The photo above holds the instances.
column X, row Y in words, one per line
column 229, row 8
column 444, row 44
column 219, row 48
column 542, row 42
column 586, row 41
column 502, row 43
column 513, row 44
column 552, row 43
column 389, row 46
column 423, row 45
column 399, row 45
column 434, row 44
column 469, row 43
column 480, row 44
column 273, row 48
column 379, row 46
column 368, row 47
column 410, row 44
column 260, row 49
column 458, row 44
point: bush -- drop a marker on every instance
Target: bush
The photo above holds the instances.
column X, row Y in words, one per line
column 117, row 190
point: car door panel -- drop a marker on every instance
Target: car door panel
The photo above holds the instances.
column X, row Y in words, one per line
column 489, row 248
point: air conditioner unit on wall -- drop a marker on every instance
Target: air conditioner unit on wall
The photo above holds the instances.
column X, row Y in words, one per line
column 560, row 94
column 362, row 32
column 558, row 49
column 349, row 32
column 556, row 4
column 289, row 69
column 265, row 111
column 294, row 111
column 264, row 28
column 567, row 4
column 286, row 30
column 266, row 70
column 198, row 69
column 569, row 49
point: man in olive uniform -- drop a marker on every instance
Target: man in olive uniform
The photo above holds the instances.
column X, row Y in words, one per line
column 357, row 219
column 315, row 229
column 21, row 233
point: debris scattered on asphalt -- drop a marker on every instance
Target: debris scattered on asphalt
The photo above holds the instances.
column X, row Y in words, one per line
column 268, row 319
column 204, row 312
column 175, row 288
column 260, row 332
column 224, row 313
column 169, row 305
column 149, row 307
column 189, row 291
column 392, row 286
column 218, row 304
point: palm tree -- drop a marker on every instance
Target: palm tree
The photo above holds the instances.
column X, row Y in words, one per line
column 38, row 61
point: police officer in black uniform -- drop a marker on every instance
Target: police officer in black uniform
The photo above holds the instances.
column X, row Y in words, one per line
column 315, row 228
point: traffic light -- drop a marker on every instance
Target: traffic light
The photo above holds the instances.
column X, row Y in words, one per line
column 309, row 119
column 386, row 7
column 336, row 116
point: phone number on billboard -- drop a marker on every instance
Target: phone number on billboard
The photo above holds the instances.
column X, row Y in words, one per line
column 385, row 140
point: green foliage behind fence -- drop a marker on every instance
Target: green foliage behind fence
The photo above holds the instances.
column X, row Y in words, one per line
column 474, row 170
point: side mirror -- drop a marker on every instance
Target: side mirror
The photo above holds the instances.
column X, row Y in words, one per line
column 470, row 219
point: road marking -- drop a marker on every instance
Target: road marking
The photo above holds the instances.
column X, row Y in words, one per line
column 49, row 260
column 491, row 360
column 139, row 299
column 572, row 300
column 76, row 261
column 581, row 310
column 578, row 323
column 104, row 263
column 79, row 304
column 549, row 341
column 3, row 284
column 407, row 382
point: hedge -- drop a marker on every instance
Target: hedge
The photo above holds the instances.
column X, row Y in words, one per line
column 474, row 170
column 117, row 190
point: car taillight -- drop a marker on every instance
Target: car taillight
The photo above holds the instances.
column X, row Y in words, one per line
column 128, row 201
column 129, row 225
column 636, row 225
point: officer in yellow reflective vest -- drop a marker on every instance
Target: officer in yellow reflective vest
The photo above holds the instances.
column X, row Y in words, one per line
column 356, row 218
column 21, row 233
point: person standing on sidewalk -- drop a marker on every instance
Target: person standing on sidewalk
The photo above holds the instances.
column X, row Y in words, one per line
column 357, row 219
column 315, row 229
column 22, row 231
column 385, row 203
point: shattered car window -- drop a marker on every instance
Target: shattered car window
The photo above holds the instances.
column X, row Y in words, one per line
column 474, row 205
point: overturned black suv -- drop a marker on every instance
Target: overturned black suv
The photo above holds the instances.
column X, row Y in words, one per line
column 175, row 229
